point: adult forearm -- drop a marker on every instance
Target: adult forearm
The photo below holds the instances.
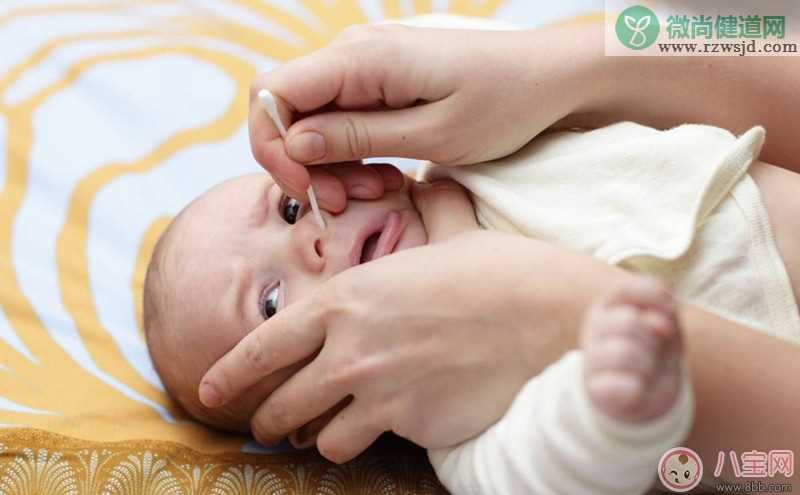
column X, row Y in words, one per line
column 734, row 93
column 745, row 383
column 746, row 389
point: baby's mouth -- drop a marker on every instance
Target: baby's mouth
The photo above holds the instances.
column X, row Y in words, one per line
column 370, row 245
column 383, row 241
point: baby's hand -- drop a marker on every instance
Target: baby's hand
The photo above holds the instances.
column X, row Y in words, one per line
column 445, row 208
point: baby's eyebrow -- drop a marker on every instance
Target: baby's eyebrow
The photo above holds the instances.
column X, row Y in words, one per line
column 261, row 208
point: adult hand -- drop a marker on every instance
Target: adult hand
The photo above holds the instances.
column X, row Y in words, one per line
column 335, row 183
column 412, row 351
column 451, row 96
column 446, row 211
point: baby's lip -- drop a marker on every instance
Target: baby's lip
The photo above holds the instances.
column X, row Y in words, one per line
column 390, row 228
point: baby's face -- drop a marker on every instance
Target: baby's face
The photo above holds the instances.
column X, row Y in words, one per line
column 244, row 251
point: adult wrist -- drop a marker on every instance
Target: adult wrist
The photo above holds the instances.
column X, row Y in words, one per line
column 553, row 289
column 587, row 80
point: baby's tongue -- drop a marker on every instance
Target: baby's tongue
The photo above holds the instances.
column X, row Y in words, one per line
column 370, row 245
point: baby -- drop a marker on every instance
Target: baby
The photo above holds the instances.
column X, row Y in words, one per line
column 252, row 250
column 243, row 250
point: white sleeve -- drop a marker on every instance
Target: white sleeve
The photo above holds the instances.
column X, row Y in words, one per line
column 553, row 441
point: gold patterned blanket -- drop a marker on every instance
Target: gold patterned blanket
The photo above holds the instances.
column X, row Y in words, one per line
column 113, row 116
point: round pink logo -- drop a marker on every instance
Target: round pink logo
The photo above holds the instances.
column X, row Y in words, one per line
column 680, row 469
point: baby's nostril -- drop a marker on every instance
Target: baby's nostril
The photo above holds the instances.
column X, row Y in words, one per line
column 318, row 247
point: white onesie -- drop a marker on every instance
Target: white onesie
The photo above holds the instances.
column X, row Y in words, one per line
column 677, row 204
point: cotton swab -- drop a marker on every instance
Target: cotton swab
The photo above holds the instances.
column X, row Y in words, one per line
column 271, row 106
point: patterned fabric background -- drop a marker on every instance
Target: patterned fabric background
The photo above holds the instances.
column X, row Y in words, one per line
column 113, row 116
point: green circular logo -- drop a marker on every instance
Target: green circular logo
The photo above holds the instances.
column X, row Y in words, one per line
column 637, row 27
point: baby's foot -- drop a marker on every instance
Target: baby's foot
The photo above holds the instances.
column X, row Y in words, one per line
column 631, row 342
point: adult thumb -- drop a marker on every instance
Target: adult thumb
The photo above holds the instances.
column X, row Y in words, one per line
column 414, row 132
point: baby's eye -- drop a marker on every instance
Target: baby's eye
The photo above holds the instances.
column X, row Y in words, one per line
column 290, row 209
column 269, row 306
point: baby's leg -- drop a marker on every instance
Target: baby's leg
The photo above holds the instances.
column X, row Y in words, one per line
column 631, row 342
column 596, row 421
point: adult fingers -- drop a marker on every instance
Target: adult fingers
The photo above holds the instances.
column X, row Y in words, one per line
column 269, row 151
column 349, row 433
column 305, row 84
column 306, row 436
column 291, row 335
column 329, row 189
column 445, row 208
column 365, row 67
column 306, row 395
column 335, row 183
column 360, row 181
column 393, row 178
column 415, row 132
column 366, row 181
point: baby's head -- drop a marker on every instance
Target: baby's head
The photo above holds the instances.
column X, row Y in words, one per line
column 236, row 255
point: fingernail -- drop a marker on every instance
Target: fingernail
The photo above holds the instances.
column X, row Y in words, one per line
column 209, row 396
column 307, row 147
column 301, row 439
column 268, row 441
column 361, row 191
column 420, row 186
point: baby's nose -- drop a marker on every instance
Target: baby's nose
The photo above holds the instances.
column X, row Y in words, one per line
column 309, row 246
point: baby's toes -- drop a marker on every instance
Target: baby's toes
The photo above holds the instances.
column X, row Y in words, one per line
column 627, row 349
column 642, row 308
column 644, row 292
column 619, row 364
column 615, row 393
column 632, row 352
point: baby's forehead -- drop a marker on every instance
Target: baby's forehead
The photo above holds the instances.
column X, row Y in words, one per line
column 222, row 210
column 209, row 238
column 231, row 194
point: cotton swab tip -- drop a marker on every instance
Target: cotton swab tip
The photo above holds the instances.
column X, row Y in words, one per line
column 271, row 106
